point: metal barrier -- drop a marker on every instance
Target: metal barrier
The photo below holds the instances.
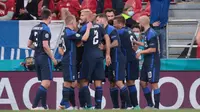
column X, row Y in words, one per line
column 181, row 34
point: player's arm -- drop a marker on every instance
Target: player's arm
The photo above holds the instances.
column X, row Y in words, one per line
column 107, row 45
column 60, row 50
column 46, row 47
column 30, row 41
column 87, row 33
column 138, row 43
column 114, row 37
column 151, row 49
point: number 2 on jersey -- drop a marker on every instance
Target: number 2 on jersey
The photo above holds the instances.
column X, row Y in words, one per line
column 95, row 39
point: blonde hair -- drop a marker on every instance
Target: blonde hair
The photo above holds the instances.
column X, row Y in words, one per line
column 70, row 19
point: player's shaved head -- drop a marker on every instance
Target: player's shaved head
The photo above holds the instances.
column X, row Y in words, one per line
column 144, row 20
column 70, row 19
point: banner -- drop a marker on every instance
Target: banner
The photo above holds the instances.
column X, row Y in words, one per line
column 15, row 35
column 18, row 89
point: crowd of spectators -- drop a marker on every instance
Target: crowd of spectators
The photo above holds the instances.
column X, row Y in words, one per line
column 31, row 9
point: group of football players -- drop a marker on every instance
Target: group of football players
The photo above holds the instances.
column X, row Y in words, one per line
column 108, row 50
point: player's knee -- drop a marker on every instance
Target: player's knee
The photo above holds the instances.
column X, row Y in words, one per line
column 67, row 84
column 46, row 83
column 74, row 84
column 98, row 83
column 119, row 84
column 130, row 82
column 154, row 86
column 83, row 83
column 112, row 85
column 143, row 84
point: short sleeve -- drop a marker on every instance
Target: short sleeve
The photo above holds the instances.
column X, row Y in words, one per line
column 114, row 35
column 31, row 37
column 152, row 42
column 82, row 30
column 75, row 36
column 46, row 35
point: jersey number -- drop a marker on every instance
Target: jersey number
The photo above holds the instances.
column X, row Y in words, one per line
column 36, row 39
column 63, row 44
column 131, row 39
column 95, row 39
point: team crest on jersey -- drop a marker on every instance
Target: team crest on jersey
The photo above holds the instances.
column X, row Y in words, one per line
column 78, row 35
column 46, row 35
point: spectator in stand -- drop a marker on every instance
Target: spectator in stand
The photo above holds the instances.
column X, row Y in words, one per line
column 19, row 5
column 110, row 13
column 72, row 6
column 127, row 14
column 33, row 9
column 7, row 9
column 158, row 20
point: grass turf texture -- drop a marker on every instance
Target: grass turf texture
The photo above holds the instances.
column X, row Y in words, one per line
column 181, row 110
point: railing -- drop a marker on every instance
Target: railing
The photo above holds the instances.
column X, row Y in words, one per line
column 181, row 34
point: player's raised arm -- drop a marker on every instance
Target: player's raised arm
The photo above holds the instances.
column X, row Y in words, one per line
column 87, row 33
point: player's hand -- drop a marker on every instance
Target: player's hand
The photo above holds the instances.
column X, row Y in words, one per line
column 135, row 47
column 55, row 62
column 101, row 46
column 89, row 25
column 108, row 60
column 157, row 23
column 138, row 55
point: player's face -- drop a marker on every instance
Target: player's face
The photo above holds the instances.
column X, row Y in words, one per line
column 75, row 25
column 110, row 15
column 49, row 19
column 83, row 18
column 99, row 20
column 116, row 24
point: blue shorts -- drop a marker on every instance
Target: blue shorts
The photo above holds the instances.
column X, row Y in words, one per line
column 151, row 73
column 118, row 70
column 132, row 70
column 69, row 72
column 92, row 69
column 43, row 65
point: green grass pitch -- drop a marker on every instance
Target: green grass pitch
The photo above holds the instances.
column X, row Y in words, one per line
column 182, row 110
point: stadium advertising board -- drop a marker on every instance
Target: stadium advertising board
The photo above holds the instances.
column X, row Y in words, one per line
column 178, row 90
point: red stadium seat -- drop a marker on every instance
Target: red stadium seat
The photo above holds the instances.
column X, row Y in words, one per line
column 89, row 4
column 107, row 4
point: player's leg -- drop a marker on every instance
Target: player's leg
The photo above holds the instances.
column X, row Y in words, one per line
column 68, row 74
column 98, row 77
column 154, row 84
column 39, row 75
column 46, row 77
column 98, row 93
column 72, row 94
column 119, row 71
column 85, row 77
column 132, row 71
column 84, row 83
column 144, row 85
column 113, row 88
